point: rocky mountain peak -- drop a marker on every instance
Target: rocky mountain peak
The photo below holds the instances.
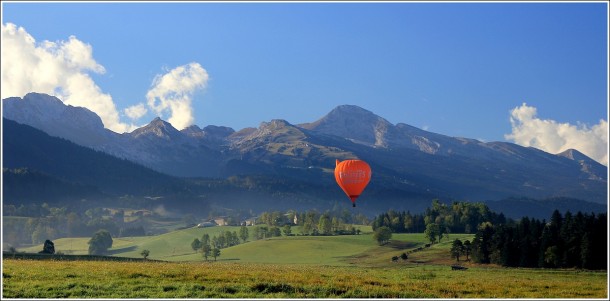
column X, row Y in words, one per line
column 276, row 130
column 347, row 113
column 57, row 119
column 274, row 124
column 36, row 109
column 212, row 134
column 353, row 123
column 588, row 166
column 193, row 131
column 574, row 155
column 241, row 134
column 218, row 131
column 157, row 128
column 351, row 109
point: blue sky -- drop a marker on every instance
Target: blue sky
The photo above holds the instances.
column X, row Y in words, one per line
column 458, row 69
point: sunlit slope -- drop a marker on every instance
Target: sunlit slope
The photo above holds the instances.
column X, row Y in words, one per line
column 295, row 249
column 79, row 246
column 318, row 250
column 170, row 245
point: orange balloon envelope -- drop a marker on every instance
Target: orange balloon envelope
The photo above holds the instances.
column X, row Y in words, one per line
column 352, row 176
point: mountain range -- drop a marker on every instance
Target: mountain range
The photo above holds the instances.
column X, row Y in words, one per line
column 410, row 166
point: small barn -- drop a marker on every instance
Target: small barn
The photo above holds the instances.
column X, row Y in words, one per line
column 221, row 220
column 249, row 222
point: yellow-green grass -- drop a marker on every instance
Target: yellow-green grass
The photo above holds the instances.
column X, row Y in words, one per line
column 169, row 245
column 79, row 246
column 438, row 253
column 292, row 267
column 176, row 246
column 161, row 246
column 329, row 250
column 97, row 279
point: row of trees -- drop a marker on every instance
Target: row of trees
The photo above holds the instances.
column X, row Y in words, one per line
column 459, row 217
column 47, row 222
column 439, row 219
column 262, row 232
column 569, row 241
column 29, row 210
column 211, row 246
column 312, row 222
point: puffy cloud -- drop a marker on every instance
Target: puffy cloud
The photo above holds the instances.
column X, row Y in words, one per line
column 55, row 68
column 554, row 137
column 173, row 93
column 61, row 69
column 136, row 111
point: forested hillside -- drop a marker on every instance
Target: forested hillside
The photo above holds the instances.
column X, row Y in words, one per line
column 24, row 146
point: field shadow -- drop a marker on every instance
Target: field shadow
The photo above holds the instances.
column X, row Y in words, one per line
column 229, row 259
column 401, row 245
column 121, row 250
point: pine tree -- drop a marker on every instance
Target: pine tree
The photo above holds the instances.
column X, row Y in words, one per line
column 481, row 244
column 243, row 233
column 467, row 249
column 457, row 248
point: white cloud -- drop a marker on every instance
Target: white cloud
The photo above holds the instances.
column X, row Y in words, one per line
column 62, row 69
column 136, row 111
column 554, row 137
column 173, row 93
column 55, row 68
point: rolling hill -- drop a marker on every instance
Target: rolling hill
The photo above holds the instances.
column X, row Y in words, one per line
column 347, row 250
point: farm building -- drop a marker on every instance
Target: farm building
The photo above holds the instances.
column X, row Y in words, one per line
column 206, row 224
column 249, row 222
column 221, row 220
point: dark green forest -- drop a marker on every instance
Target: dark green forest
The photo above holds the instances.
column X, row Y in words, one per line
column 459, row 217
column 564, row 241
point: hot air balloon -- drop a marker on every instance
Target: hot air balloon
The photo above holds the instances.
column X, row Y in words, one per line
column 352, row 176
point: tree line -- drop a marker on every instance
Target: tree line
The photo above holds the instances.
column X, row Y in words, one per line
column 565, row 241
column 459, row 217
column 210, row 246
column 48, row 222
column 312, row 222
column 569, row 241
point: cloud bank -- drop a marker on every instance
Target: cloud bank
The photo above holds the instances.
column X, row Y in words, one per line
column 554, row 137
column 56, row 68
column 173, row 93
column 62, row 69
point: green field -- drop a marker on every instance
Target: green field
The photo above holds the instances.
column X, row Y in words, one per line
column 176, row 246
column 351, row 266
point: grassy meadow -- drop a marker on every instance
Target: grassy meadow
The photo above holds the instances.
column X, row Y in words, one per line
column 176, row 246
column 351, row 266
column 102, row 279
